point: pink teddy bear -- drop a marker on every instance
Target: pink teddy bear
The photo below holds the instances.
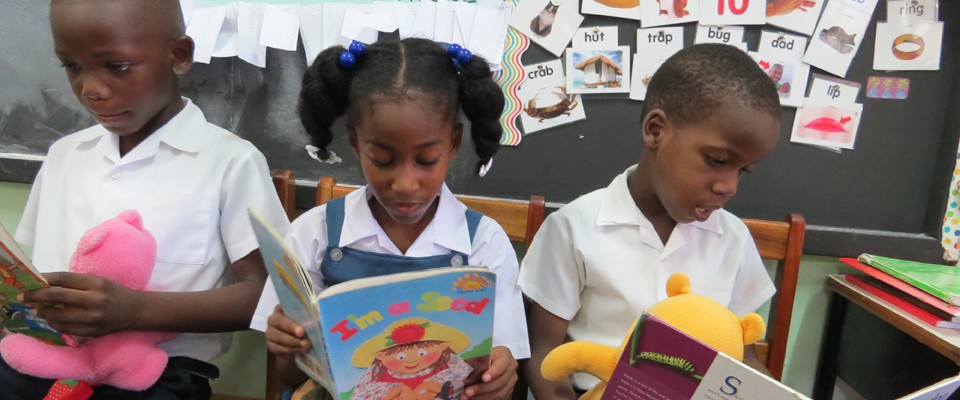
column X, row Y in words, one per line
column 121, row 250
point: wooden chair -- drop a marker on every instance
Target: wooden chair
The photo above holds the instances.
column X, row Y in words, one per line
column 285, row 186
column 781, row 241
column 519, row 219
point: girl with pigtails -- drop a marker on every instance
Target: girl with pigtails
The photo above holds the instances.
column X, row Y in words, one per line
column 402, row 101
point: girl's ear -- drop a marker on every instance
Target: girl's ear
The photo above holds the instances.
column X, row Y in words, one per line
column 352, row 138
column 181, row 55
column 457, row 138
column 655, row 126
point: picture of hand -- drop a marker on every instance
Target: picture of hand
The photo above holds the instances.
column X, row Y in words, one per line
column 781, row 7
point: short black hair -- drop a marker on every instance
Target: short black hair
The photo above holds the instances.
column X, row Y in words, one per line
column 695, row 81
column 395, row 71
column 167, row 11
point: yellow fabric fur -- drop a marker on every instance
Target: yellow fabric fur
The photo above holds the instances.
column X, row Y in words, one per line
column 698, row 316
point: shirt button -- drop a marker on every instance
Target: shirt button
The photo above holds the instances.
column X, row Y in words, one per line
column 115, row 175
column 456, row 261
column 336, row 254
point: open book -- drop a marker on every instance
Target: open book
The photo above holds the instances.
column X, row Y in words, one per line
column 660, row 362
column 17, row 275
column 411, row 333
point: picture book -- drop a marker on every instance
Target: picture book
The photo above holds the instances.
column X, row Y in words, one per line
column 888, row 294
column 427, row 333
column 938, row 391
column 17, row 275
column 942, row 281
column 660, row 362
column 923, row 299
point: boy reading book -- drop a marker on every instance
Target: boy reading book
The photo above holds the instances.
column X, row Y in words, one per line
column 154, row 151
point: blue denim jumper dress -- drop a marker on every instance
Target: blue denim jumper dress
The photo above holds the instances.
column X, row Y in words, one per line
column 341, row 264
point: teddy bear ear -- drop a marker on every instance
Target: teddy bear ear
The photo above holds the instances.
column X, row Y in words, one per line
column 678, row 283
column 92, row 239
column 131, row 217
column 753, row 328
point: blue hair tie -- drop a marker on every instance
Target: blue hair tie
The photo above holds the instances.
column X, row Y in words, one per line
column 348, row 58
column 459, row 55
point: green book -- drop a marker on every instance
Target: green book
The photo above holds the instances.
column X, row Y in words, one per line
column 942, row 281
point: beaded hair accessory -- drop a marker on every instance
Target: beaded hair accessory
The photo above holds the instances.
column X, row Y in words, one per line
column 348, row 58
column 459, row 55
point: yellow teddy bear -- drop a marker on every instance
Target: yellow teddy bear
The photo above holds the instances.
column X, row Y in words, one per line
column 698, row 316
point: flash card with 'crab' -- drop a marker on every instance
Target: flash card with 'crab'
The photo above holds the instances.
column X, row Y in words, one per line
column 546, row 103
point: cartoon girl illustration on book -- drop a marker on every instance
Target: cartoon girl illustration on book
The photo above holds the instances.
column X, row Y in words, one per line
column 413, row 359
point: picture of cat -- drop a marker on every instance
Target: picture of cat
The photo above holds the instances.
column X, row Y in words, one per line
column 838, row 39
column 542, row 24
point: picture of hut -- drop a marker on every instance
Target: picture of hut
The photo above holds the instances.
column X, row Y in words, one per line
column 600, row 71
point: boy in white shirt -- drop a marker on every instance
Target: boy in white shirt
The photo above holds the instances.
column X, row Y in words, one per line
column 153, row 151
column 596, row 264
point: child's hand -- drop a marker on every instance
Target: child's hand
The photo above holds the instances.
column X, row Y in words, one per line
column 285, row 337
column 85, row 305
column 497, row 381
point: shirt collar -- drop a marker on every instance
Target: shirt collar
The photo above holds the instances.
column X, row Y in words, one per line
column 176, row 133
column 449, row 225
column 447, row 229
column 618, row 208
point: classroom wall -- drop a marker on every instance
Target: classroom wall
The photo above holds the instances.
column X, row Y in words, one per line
column 243, row 367
column 888, row 198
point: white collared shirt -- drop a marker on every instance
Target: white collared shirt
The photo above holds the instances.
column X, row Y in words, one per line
column 598, row 263
column 447, row 232
column 191, row 181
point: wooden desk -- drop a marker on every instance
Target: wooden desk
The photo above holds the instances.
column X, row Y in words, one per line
column 946, row 342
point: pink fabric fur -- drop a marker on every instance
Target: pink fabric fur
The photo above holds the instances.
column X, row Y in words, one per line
column 121, row 250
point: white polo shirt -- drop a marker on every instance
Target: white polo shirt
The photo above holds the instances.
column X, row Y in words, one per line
column 598, row 263
column 190, row 180
column 447, row 232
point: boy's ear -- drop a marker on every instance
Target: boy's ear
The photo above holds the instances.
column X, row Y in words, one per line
column 181, row 54
column 457, row 138
column 655, row 126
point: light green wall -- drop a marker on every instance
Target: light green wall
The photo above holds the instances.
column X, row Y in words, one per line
column 13, row 196
column 243, row 367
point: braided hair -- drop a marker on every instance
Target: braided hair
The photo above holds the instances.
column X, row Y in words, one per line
column 393, row 71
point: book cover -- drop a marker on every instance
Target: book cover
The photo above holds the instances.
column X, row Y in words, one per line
column 424, row 333
column 660, row 362
column 296, row 293
column 428, row 331
column 882, row 291
column 942, row 281
column 930, row 302
column 938, row 391
column 17, row 275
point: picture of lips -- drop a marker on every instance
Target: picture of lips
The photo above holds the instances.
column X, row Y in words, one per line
column 828, row 125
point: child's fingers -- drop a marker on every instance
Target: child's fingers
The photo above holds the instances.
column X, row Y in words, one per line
column 284, row 336
column 499, row 388
column 497, row 381
column 279, row 321
column 283, row 344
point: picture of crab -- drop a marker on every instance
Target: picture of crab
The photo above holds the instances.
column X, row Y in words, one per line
column 565, row 104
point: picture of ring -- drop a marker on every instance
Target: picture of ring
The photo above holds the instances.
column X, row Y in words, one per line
column 907, row 46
